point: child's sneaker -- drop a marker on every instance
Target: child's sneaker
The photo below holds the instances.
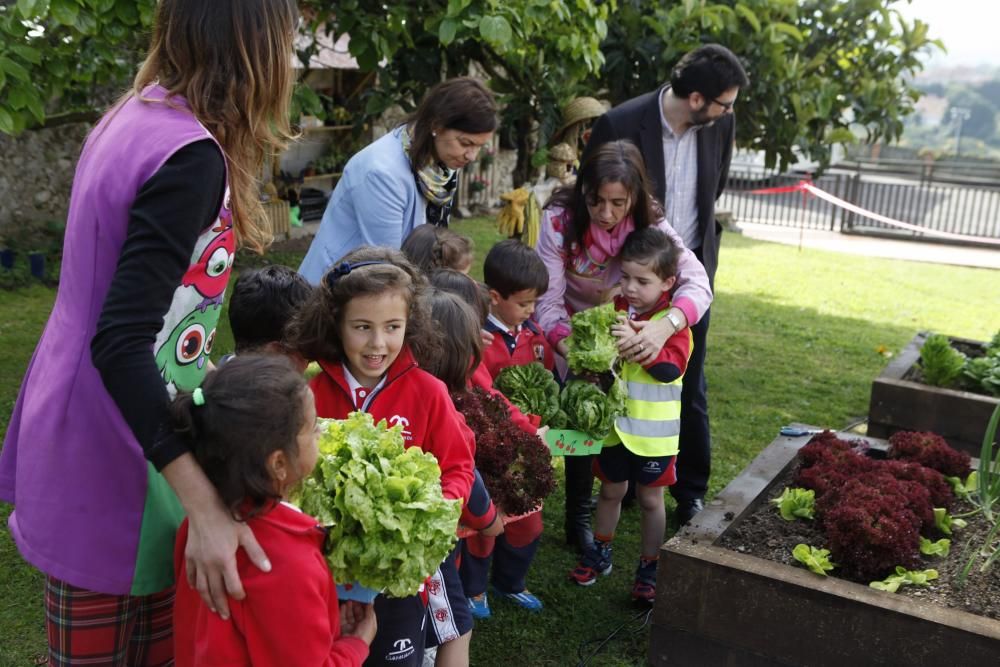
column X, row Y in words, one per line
column 480, row 607
column 644, row 589
column 596, row 561
column 525, row 599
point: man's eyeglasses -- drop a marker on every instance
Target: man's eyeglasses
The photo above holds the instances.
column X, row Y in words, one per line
column 726, row 106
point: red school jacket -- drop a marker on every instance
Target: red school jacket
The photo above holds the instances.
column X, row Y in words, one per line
column 290, row 614
column 420, row 402
column 516, row 350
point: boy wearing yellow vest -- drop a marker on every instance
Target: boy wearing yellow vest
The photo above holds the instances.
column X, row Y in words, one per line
column 644, row 443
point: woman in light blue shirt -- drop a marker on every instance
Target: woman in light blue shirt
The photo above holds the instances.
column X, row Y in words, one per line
column 406, row 178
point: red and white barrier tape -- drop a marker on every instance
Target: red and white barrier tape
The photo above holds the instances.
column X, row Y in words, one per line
column 807, row 188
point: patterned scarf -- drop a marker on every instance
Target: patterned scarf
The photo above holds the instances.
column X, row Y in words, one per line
column 436, row 183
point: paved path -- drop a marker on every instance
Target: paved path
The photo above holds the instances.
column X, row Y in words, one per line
column 917, row 251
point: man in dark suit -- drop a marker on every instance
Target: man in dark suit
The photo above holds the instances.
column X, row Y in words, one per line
column 685, row 131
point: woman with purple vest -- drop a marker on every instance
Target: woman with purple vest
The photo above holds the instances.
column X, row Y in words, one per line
column 164, row 191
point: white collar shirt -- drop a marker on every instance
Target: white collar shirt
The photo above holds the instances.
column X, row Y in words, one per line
column 680, row 166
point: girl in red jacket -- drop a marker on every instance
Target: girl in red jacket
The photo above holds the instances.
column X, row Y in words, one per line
column 252, row 427
column 366, row 325
column 512, row 552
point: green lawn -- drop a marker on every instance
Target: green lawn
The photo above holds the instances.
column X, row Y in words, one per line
column 795, row 336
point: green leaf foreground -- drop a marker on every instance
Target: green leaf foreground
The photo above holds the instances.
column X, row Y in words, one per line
column 796, row 503
column 592, row 347
column 904, row 577
column 817, row 560
column 389, row 524
column 940, row 548
column 945, row 522
column 987, row 493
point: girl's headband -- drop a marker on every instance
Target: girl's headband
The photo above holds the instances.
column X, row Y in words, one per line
column 345, row 268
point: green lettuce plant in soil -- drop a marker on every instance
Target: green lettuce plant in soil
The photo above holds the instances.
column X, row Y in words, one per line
column 765, row 534
column 958, row 365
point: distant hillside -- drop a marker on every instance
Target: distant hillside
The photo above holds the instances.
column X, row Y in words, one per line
column 957, row 102
column 964, row 74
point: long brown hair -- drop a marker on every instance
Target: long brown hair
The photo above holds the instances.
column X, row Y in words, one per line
column 613, row 162
column 231, row 61
column 462, row 104
column 315, row 331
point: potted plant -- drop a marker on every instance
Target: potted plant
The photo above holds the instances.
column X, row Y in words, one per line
column 486, row 158
column 477, row 184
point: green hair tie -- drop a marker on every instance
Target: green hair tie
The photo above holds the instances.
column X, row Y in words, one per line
column 198, row 396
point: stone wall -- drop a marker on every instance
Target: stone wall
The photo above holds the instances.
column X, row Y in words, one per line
column 36, row 173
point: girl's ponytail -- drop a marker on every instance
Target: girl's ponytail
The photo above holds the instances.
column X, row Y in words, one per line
column 183, row 418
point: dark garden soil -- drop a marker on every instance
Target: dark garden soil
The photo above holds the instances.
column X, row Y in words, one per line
column 765, row 534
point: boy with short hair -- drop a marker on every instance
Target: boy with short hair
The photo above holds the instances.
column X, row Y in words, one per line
column 516, row 277
column 644, row 442
column 264, row 301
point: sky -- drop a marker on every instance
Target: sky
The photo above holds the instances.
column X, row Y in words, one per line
column 968, row 29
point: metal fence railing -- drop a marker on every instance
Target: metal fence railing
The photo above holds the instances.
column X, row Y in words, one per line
column 957, row 209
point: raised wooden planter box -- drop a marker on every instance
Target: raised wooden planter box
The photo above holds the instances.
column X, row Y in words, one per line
column 720, row 607
column 899, row 404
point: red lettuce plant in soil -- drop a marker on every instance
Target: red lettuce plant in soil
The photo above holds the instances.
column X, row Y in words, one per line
column 871, row 511
column 941, row 493
column 929, row 450
column 871, row 530
column 827, row 462
column 516, row 466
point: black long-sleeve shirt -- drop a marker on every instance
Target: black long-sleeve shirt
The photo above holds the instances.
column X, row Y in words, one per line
column 170, row 211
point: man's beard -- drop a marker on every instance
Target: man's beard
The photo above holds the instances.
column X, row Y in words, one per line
column 700, row 118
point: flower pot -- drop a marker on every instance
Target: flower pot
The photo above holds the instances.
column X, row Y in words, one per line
column 716, row 606
column 36, row 264
column 7, row 258
column 899, row 403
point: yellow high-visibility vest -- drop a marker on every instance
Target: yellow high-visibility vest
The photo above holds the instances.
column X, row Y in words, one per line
column 652, row 420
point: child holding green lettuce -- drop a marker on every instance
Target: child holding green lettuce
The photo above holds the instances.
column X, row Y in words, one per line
column 643, row 444
column 252, row 428
column 366, row 324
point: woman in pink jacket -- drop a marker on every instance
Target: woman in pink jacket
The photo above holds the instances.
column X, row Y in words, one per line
column 583, row 229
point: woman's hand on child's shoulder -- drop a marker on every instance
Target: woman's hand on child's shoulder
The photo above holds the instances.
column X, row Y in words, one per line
column 358, row 620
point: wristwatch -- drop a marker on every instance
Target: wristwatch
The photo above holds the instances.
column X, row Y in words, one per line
column 674, row 320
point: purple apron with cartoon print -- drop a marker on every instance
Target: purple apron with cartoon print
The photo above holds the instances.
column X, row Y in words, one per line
column 88, row 508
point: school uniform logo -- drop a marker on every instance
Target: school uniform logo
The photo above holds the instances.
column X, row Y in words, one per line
column 398, row 420
column 401, row 650
column 539, row 352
